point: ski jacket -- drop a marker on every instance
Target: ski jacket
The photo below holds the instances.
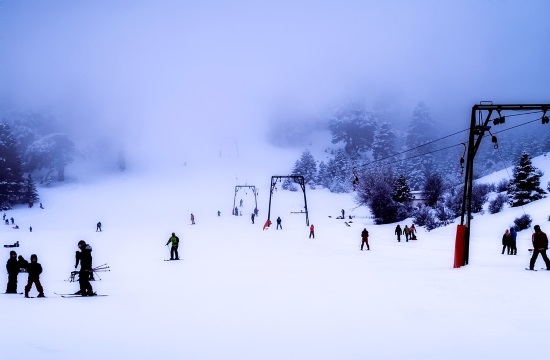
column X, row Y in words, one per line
column 12, row 266
column 85, row 258
column 22, row 263
column 406, row 230
column 364, row 234
column 34, row 269
column 540, row 240
column 174, row 240
column 278, row 220
column 398, row 230
column 506, row 239
column 311, row 228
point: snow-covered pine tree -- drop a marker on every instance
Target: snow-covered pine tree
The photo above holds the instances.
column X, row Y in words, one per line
column 340, row 175
column 384, row 142
column 401, row 190
column 29, row 193
column 354, row 127
column 11, row 171
column 307, row 167
column 525, row 185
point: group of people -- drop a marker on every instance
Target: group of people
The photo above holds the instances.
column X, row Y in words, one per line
column 509, row 241
column 409, row 232
column 16, row 265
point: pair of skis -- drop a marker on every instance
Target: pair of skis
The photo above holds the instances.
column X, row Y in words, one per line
column 78, row 295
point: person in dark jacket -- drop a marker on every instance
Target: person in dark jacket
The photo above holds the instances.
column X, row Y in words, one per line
column 540, row 245
column 513, row 247
column 398, row 232
column 98, row 227
column 506, row 242
column 279, row 221
column 84, row 256
column 174, row 249
column 252, row 217
column 365, row 238
column 22, row 263
column 34, row 269
column 13, row 269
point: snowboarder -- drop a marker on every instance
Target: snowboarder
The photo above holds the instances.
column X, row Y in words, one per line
column 398, row 232
column 174, row 249
column 34, row 269
column 252, row 218
column 86, row 271
column 312, row 231
column 513, row 247
column 13, row 269
column 407, row 232
column 98, row 226
column 192, row 219
column 540, row 245
column 365, row 238
column 279, row 223
column 506, row 242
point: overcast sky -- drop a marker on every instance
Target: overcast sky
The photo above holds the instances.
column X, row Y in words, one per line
column 197, row 69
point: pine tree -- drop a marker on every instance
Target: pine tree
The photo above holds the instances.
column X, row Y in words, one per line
column 307, row 167
column 339, row 173
column 525, row 185
column 11, row 172
column 30, row 195
column 384, row 142
column 401, row 190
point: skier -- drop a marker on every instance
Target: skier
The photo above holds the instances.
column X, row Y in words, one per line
column 540, row 245
column 398, row 232
column 42, row 207
column 13, row 269
column 236, row 211
column 174, row 249
column 34, row 269
column 219, row 213
column 241, row 203
column 279, row 223
column 85, row 258
column 12, row 221
column 365, row 239
column 98, row 227
column 252, row 218
column 192, row 219
column 343, row 214
column 312, row 231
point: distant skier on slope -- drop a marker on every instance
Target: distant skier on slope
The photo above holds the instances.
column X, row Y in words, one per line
column 174, row 249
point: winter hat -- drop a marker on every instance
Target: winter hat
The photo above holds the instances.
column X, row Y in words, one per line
column 537, row 228
column 33, row 256
column 12, row 253
column 82, row 242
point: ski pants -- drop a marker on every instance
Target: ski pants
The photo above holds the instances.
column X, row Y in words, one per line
column 536, row 253
column 365, row 242
column 174, row 252
column 311, row 234
column 12, row 283
column 37, row 283
column 84, row 282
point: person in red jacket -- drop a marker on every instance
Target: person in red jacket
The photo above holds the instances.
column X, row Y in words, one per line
column 312, row 231
column 540, row 245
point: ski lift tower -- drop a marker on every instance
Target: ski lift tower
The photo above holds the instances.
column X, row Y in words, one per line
column 252, row 188
column 480, row 119
column 299, row 179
